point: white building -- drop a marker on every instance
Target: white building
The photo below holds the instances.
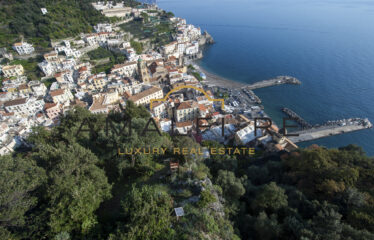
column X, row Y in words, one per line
column 23, row 48
column 103, row 27
column 186, row 111
column 103, row 103
column 67, row 50
column 117, row 12
column 24, row 106
column 131, row 54
column 169, row 48
column 61, row 96
column 247, row 134
column 38, row 88
column 159, row 110
column 192, row 49
column 13, row 70
column 146, row 96
column 91, row 39
column 181, row 48
column 47, row 68
column 127, row 69
column 65, row 76
column 8, row 146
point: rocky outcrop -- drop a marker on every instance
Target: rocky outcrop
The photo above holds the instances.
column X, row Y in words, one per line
column 206, row 39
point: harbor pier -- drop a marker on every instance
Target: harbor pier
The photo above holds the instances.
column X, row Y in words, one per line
column 331, row 128
column 273, row 82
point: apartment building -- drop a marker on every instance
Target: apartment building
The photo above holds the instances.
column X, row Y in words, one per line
column 23, row 48
column 186, row 111
column 61, row 96
column 144, row 97
column 127, row 69
column 13, row 70
column 24, row 106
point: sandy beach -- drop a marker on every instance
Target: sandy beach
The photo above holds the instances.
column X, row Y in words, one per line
column 215, row 80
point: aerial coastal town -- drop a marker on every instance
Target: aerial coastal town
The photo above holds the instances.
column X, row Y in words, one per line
column 117, row 122
column 71, row 78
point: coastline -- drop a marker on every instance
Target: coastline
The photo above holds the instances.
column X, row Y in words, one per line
column 213, row 79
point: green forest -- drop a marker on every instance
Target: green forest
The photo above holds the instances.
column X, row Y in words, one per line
column 71, row 184
column 65, row 18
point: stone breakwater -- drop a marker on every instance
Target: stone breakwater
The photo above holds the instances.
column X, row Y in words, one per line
column 294, row 116
column 273, row 82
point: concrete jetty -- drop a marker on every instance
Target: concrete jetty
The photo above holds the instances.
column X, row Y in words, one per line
column 252, row 96
column 273, row 82
column 331, row 128
column 294, row 116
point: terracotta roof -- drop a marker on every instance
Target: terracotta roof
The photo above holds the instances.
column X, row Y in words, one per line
column 145, row 93
column 80, row 103
column 184, row 105
column 23, row 86
column 57, row 92
column 176, row 76
column 82, row 69
column 18, row 44
column 7, row 114
column 201, row 98
column 58, row 75
column 172, row 43
column 126, row 94
column 97, row 104
column 11, row 67
column 156, row 104
column 15, row 102
column 202, row 123
column 183, row 124
column 202, row 107
column 50, row 54
column 49, row 105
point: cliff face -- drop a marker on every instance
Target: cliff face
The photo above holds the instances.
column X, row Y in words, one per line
column 206, row 38
column 209, row 38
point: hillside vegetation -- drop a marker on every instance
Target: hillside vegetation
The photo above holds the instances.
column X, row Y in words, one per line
column 74, row 185
column 65, row 18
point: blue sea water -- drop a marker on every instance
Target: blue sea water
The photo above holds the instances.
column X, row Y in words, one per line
column 327, row 44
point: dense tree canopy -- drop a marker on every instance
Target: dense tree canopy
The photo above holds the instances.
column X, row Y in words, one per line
column 20, row 178
column 73, row 184
column 64, row 18
column 75, row 189
column 148, row 212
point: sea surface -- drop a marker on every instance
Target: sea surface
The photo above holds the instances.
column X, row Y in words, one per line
column 327, row 44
